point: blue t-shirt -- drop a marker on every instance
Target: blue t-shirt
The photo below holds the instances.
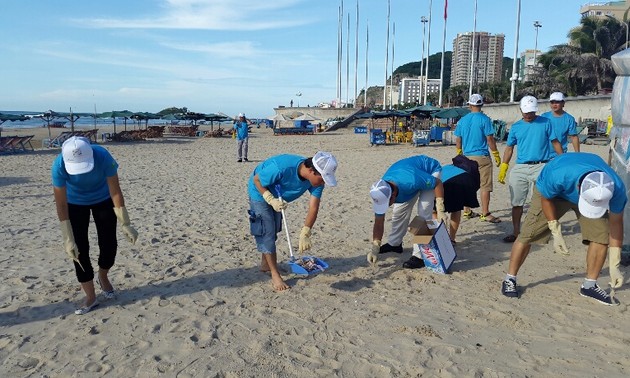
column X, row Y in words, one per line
column 533, row 139
column 282, row 170
column 563, row 126
column 242, row 130
column 473, row 128
column 450, row 171
column 561, row 177
column 87, row 188
column 412, row 175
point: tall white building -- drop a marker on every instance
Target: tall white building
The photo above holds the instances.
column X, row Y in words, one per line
column 488, row 58
column 526, row 66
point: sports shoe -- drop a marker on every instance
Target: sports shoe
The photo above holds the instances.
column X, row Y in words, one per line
column 246, row 159
column 239, row 161
column 599, row 295
column 508, row 288
column 385, row 248
column 413, row 263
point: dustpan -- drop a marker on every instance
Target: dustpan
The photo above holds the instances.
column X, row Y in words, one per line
column 304, row 265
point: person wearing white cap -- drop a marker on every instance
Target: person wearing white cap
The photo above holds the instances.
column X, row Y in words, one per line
column 535, row 138
column 241, row 128
column 274, row 184
column 584, row 183
column 85, row 182
column 474, row 135
column 563, row 123
column 407, row 181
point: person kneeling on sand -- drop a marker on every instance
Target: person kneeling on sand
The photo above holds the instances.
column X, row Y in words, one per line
column 584, row 183
column 407, row 181
column 85, row 180
column 275, row 183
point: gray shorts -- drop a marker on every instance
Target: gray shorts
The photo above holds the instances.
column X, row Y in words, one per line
column 521, row 181
column 264, row 225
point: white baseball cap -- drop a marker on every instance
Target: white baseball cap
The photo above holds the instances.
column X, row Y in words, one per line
column 556, row 96
column 529, row 104
column 476, row 99
column 326, row 165
column 380, row 192
column 595, row 194
column 78, row 156
column 241, row 115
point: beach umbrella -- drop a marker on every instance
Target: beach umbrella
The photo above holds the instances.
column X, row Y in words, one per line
column 117, row 114
column 11, row 117
column 305, row 117
column 451, row 113
column 212, row 117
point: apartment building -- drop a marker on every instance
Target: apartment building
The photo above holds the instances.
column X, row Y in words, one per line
column 488, row 58
column 601, row 9
column 412, row 89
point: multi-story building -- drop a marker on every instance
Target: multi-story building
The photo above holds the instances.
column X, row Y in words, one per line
column 600, row 9
column 488, row 58
column 526, row 64
column 412, row 89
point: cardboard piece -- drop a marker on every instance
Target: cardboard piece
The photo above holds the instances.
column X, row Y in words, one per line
column 432, row 244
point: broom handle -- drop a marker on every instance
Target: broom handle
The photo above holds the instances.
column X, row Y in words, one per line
column 284, row 222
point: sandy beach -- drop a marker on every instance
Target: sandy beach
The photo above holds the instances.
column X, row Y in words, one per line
column 191, row 301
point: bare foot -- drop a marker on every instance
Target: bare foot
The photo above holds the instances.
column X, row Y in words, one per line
column 279, row 284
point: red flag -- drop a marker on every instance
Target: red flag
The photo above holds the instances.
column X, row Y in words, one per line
column 445, row 6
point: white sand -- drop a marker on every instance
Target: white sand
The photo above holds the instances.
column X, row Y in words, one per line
column 192, row 302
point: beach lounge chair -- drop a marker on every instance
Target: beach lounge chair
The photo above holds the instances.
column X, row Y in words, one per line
column 25, row 143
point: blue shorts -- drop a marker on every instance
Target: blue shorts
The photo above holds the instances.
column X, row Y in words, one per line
column 264, row 225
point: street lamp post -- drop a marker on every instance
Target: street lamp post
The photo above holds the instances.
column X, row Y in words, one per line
column 514, row 77
column 298, row 95
column 472, row 53
column 424, row 21
column 537, row 25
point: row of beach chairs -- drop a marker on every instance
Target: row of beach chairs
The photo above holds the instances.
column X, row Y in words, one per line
column 59, row 139
column 15, row 144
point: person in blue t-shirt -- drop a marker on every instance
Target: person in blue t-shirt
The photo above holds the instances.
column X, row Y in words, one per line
column 407, row 181
column 85, row 181
column 563, row 123
column 534, row 137
column 275, row 183
column 584, row 183
column 242, row 138
column 475, row 134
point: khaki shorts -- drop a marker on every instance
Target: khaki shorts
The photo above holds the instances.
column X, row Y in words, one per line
column 485, row 172
column 521, row 181
column 536, row 231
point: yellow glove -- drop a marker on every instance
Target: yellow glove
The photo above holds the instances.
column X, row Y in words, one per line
column 127, row 229
column 503, row 168
column 558, row 241
column 372, row 256
column 459, row 151
column 305, row 239
column 68, row 242
column 614, row 259
column 441, row 211
column 277, row 204
column 497, row 157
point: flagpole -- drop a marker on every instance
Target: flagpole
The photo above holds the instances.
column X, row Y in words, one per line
column 348, row 63
column 386, row 58
column 426, row 68
column 391, row 76
column 356, row 57
column 514, row 73
column 367, row 45
column 472, row 53
column 443, row 49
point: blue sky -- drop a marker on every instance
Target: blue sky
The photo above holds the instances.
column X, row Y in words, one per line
column 228, row 55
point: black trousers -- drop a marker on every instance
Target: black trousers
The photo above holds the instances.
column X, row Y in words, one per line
column 105, row 221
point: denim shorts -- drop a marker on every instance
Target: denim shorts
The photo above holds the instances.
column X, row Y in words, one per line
column 264, row 225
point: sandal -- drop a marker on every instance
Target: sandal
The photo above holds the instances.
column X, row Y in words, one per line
column 469, row 215
column 509, row 239
column 489, row 218
column 85, row 309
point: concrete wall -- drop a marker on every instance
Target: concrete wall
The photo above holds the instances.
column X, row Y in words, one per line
column 320, row 114
column 594, row 107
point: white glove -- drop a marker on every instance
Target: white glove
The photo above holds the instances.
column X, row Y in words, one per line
column 277, row 204
column 558, row 241
column 128, row 230
column 614, row 260
column 305, row 239
column 441, row 210
column 68, row 241
column 372, row 256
